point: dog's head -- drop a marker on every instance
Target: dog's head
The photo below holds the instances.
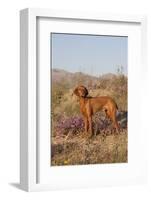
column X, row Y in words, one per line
column 80, row 91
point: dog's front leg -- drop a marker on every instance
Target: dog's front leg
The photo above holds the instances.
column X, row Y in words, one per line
column 86, row 126
column 90, row 125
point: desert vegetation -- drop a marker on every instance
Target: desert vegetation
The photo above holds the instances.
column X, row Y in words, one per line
column 69, row 144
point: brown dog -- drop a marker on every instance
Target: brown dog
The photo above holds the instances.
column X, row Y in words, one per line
column 91, row 105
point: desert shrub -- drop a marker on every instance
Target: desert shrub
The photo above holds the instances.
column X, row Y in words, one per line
column 102, row 84
column 66, row 125
column 68, row 107
column 120, row 91
column 57, row 92
column 75, row 124
column 115, row 86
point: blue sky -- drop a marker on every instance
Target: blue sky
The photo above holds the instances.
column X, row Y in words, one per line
column 91, row 54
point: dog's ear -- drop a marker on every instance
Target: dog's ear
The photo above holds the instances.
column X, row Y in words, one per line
column 76, row 92
column 81, row 91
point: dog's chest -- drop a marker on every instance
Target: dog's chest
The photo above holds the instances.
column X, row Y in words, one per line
column 85, row 108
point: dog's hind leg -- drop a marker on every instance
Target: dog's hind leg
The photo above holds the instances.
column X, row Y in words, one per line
column 111, row 114
column 107, row 114
column 114, row 120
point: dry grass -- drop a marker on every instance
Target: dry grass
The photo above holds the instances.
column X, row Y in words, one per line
column 103, row 148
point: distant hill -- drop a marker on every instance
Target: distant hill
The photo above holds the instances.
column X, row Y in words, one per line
column 72, row 79
column 108, row 76
column 69, row 79
column 59, row 74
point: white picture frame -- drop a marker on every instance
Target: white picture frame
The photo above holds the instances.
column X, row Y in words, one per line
column 29, row 148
